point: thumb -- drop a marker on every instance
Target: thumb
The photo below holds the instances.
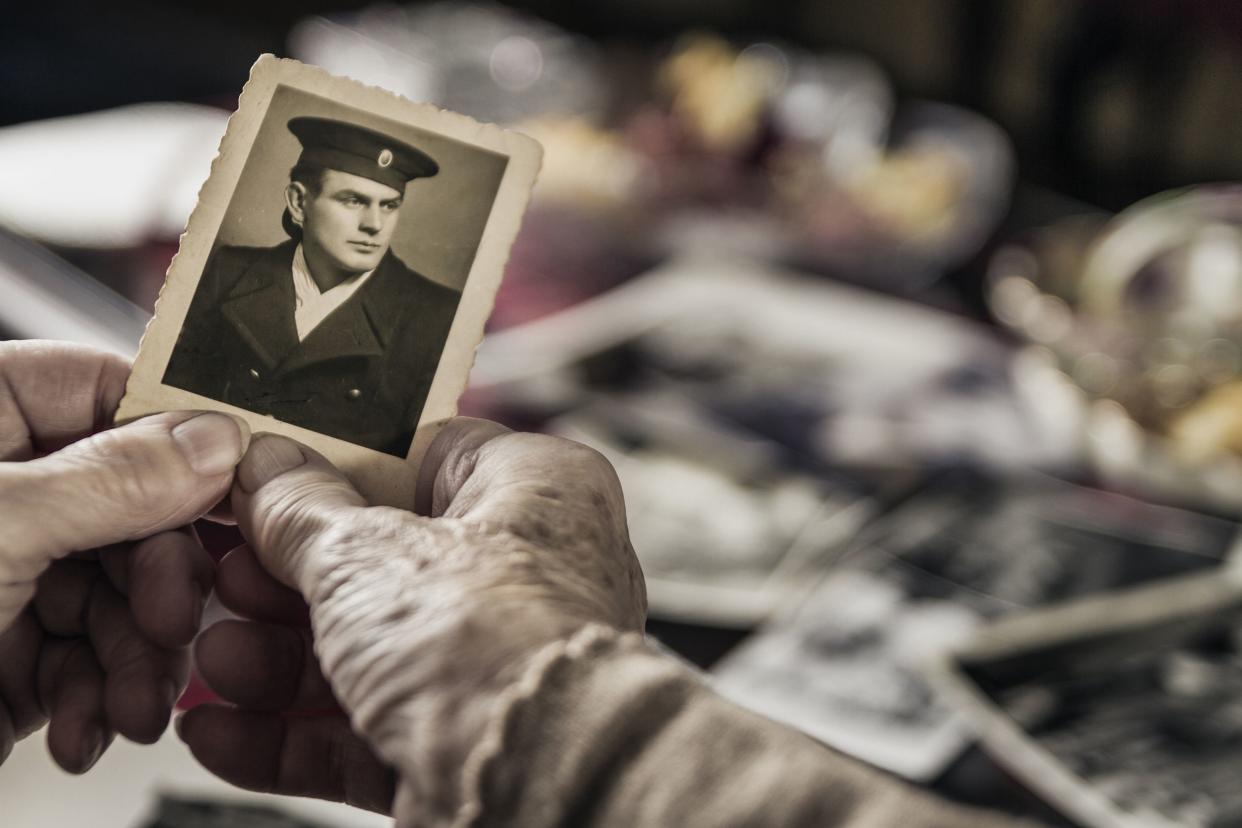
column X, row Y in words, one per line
column 122, row 484
column 287, row 499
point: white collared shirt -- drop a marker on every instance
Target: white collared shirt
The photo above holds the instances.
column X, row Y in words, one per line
column 310, row 306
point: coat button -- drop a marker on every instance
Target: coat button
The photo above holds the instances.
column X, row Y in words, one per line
column 353, row 393
column 254, row 373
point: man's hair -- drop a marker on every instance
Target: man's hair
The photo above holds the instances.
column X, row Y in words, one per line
column 309, row 176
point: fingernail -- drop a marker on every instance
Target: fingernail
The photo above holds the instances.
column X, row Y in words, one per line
column 211, row 443
column 269, row 456
column 92, row 747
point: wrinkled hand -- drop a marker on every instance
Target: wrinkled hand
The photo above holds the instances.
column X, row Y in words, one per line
column 419, row 623
column 96, row 641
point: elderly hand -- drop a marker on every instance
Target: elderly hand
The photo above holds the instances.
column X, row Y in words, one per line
column 419, row 623
column 97, row 641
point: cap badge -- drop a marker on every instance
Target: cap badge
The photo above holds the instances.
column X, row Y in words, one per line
column 385, row 157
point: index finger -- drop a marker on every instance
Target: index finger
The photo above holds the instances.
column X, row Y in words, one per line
column 552, row 493
column 534, row 485
column 55, row 393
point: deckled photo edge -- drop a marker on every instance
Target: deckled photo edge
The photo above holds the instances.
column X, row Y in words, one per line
column 486, row 273
column 135, row 403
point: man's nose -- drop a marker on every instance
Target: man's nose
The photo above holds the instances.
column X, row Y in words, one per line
column 372, row 219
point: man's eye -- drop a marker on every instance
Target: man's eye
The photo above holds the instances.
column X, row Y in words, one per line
column 390, row 206
column 351, row 201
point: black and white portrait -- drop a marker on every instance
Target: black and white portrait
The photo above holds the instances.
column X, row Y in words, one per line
column 335, row 278
column 337, row 272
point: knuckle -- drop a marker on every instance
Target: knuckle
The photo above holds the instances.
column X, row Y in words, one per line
column 75, row 661
column 150, row 561
column 303, row 524
column 573, row 466
column 598, row 473
column 288, row 522
column 118, row 646
column 373, row 551
column 128, row 656
column 587, row 470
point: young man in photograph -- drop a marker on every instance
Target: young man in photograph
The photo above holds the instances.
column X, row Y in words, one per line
column 329, row 330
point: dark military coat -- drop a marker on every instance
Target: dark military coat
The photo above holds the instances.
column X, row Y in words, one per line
column 361, row 375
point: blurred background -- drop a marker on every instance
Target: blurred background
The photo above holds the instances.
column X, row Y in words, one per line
column 898, row 318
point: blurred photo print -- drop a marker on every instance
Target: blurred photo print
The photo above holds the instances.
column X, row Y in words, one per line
column 1117, row 710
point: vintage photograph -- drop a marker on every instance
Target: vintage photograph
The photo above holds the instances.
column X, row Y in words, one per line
column 1119, row 711
column 334, row 281
column 849, row 666
column 845, row 667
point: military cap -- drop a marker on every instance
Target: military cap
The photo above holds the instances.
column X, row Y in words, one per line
column 339, row 145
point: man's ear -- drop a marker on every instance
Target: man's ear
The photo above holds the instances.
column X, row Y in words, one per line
column 295, row 201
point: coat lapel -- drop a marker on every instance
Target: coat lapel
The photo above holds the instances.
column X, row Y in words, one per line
column 359, row 328
column 346, row 332
column 260, row 305
column 387, row 297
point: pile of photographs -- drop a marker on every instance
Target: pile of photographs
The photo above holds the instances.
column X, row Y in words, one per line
column 849, row 664
column 1120, row 711
column 757, row 419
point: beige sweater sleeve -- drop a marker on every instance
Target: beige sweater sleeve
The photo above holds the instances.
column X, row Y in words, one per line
column 606, row 731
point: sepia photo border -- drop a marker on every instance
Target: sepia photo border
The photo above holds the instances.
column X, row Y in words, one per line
column 382, row 478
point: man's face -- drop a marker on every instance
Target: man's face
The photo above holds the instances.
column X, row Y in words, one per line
column 350, row 221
